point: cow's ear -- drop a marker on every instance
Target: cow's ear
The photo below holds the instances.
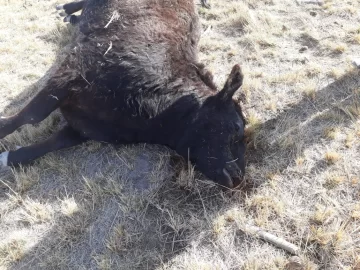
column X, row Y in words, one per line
column 232, row 84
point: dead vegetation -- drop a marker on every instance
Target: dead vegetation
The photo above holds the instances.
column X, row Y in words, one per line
column 139, row 207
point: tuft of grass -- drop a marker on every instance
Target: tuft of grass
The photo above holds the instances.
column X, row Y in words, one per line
column 288, row 142
column 251, row 85
column 290, row 77
column 354, row 181
column 333, row 48
column 12, row 252
column 341, row 48
column 272, row 175
column 336, row 73
column 36, row 212
column 69, row 206
column 235, row 215
column 354, row 38
column 320, row 236
column 355, row 213
column 25, row 178
column 119, row 239
column 252, row 130
column 349, row 140
column 333, row 181
column 253, row 119
column 265, row 208
column 271, row 105
column 300, row 161
column 218, row 227
column 186, row 177
column 309, row 90
column 239, row 17
column 331, row 132
column 322, row 215
column 103, row 262
column 313, row 70
column 331, row 157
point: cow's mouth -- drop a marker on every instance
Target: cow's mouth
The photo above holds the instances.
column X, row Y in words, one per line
column 232, row 181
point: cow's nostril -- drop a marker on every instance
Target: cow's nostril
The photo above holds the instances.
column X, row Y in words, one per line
column 229, row 179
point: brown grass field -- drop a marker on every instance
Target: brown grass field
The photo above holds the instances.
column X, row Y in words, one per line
column 139, row 207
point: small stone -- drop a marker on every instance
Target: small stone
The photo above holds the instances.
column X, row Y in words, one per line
column 303, row 61
column 313, row 13
column 295, row 263
column 357, row 266
column 303, row 49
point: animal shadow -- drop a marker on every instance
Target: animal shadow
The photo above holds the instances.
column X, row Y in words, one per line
column 284, row 138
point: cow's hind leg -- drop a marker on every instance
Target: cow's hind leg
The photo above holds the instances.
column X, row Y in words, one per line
column 67, row 137
column 69, row 9
column 72, row 7
column 55, row 91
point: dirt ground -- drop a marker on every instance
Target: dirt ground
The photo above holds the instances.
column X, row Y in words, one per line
column 139, row 207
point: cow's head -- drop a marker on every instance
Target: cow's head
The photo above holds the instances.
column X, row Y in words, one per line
column 215, row 139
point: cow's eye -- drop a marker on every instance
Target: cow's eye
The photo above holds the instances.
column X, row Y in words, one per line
column 238, row 127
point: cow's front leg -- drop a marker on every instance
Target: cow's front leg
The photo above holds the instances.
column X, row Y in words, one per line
column 55, row 91
column 37, row 110
column 67, row 137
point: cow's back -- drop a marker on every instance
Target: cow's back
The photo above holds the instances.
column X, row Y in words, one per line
column 156, row 38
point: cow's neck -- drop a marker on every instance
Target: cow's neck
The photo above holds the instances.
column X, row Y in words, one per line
column 177, row 110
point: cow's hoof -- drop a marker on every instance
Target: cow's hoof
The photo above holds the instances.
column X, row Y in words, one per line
column 63, row 12
column 73, row 19
column 67, row 18
column 4, row 159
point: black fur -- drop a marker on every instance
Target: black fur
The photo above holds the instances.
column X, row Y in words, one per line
column 133, row 76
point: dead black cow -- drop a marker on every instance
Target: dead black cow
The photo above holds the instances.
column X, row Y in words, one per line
column 133, row 77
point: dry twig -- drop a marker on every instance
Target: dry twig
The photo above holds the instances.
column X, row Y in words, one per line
column 272, row 239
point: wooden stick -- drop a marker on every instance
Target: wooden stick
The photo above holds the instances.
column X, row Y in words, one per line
column 272, row 239
column 314, row 2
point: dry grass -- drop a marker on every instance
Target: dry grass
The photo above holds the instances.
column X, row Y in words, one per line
column 102, row 207
column 332, row 157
